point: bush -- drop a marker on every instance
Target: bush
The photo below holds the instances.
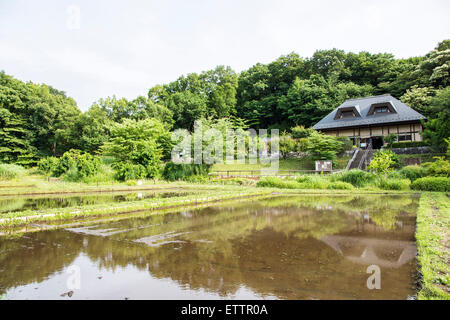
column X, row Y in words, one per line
column 287, row 144
column 383, row 162
column 173, row 171
column 413, row 172
column 236, row 181
column 128, row 171
column 197, row 179
column 80, row 165
column 409, row 144
column 440, row 167
column 300, row 132
column 302, row 182
column 11, row 171
column 347, row 144
column 393, row 184
column 340, row 185
column 274, row 182
column 441, row 184
column 313, row 182
column 356, row 177
column 323, row 147
column 106, row 174
column 47, row 165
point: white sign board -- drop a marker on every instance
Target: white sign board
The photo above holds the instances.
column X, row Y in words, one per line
column 324, row 165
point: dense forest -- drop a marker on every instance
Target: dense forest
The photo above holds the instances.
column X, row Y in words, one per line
column 38, row 120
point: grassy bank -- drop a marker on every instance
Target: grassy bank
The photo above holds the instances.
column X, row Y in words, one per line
column 433, row 224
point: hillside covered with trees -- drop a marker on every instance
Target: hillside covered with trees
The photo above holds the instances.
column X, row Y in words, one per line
column 37, row 121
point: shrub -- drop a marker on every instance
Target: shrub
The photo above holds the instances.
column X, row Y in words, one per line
column 173, row 171
column 383, row 162
column 47, row 165
column 88, row 165
column 347, row 144
column 440, row 167
column 287, row 144
column 356, row 177
column 66, row 162
column 412, row 172
column 323, row 147
column 441, row 184
column 409, row 144
column 393, row 184
column 106, row 174
column 11, row 171
column 236, row 181
column 390, row 139
column 80, row 165
column 197, row 179
column 274, row 182
column 300, row 132
column 128, row 171
column 340, row 185
column 313, row 182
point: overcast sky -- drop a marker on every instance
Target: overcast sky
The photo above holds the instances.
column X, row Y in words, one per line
column 126, row 47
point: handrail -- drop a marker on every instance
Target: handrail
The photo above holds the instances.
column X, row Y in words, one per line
column 349, row 164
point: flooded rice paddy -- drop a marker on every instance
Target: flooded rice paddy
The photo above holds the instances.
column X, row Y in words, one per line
column 22, row 203
column 278, row 247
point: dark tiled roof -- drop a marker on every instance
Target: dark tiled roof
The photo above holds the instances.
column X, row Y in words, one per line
column 404, row 114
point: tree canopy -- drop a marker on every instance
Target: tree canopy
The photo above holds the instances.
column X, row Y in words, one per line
column 37, row 120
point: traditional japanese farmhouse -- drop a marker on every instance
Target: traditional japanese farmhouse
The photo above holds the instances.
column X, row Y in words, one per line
column 366, row 121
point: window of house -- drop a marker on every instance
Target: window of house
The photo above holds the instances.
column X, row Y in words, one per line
column 405, row 137
column 381, row 110
column 347, row 114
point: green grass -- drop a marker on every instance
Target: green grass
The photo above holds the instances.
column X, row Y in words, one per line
column 433, row 223
column 11, row 171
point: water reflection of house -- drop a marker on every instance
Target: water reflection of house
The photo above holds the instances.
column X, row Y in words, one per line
column 365, row 251
column 368, row 120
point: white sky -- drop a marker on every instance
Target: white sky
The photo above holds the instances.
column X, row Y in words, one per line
column 126, row 47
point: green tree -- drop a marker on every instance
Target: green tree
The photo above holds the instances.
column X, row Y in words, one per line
column 438, row 129
column 419, row 99
column 323, row 147
column 308, row 101
column 137, row 143
column 434, row 70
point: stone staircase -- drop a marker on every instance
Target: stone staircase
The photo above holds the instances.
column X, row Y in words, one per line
column 361, row 159
column 356, row 159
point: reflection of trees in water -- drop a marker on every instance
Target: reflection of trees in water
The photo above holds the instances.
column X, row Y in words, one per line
column 33, row 257
column 271, row 249
column 63, row 201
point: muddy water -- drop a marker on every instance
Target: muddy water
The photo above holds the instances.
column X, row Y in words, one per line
column 20, row 203
column 282, row 247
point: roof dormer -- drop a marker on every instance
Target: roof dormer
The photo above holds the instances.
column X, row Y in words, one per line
column 347, row 112
column 382, row 108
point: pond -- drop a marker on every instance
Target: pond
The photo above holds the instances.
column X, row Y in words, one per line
column 278, row 247
column 21, row 203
